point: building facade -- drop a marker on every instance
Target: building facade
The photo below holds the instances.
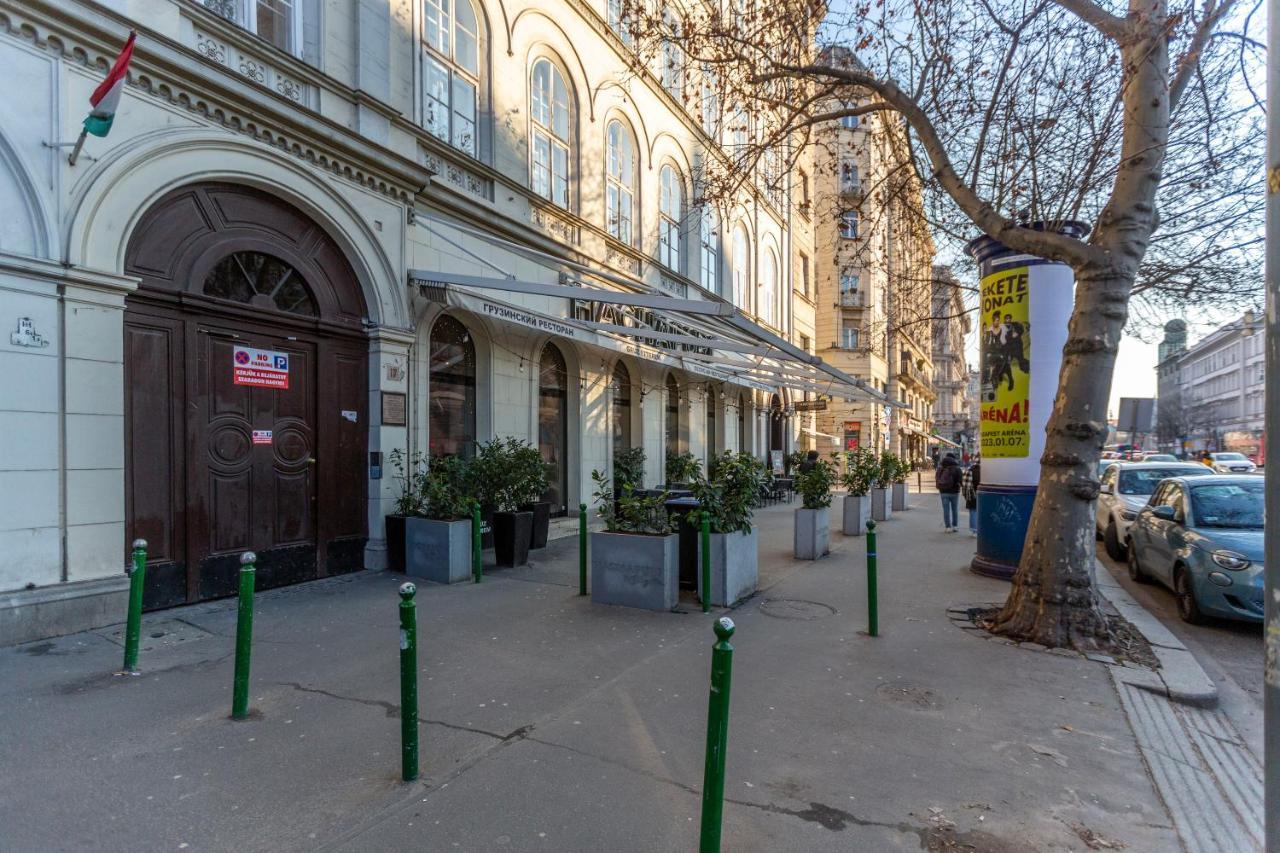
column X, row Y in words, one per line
column 1212, row 395
column 874, row 281
column 953, row 426
column 432, row 223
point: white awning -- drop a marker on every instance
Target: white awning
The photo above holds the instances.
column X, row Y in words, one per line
column 708, row 336
column 946, row 441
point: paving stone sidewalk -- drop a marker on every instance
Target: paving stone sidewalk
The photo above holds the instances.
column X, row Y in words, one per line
column 551, row 724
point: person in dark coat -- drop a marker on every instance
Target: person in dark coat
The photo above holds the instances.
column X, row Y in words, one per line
column 969, row 488
column 810, row 462
column 948, row 480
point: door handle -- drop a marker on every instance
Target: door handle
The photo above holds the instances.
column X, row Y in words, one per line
column 311, row 460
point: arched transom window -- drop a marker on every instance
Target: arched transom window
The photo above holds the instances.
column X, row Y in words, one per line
column 620, row 182
column 261, row 280
column 450, row 71
column 670, row 213
column 550, row 135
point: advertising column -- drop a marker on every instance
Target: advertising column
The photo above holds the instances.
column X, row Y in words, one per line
column 1026, row 303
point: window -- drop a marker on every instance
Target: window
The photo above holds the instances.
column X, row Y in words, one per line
column 670, row 212
column 849, row 181
column 741, row 266
column 450, row 72
column 804, row 274
column 767, row 290
column 549, row 109
column 671, row 74
column 738, row 125
column 849, row 225
column 621, row 408
column 620, row 182
column 710, row 102
column 673, row 416
column 263, row 281
column 848, row 334
column 805, row 200
column 277, row 21
column 850, row 292
column 709, row 238
column 617, row 23
column 553, row 424
column 451, row 394
column 711, row 398
column 849, row 122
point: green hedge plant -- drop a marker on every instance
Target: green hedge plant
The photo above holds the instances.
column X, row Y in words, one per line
column 731, row 492
column 862, row 471
column 815, row 484
column 629, row 512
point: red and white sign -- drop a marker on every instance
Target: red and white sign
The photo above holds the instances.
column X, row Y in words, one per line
column 262, row 436
column 260, row 368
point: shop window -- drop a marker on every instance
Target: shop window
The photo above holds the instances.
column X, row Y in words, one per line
column 621, row 408
column 673, row 416
column 553, row 424
column 451, row 392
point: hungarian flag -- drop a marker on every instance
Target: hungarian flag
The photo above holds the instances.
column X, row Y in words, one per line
column 106, row 97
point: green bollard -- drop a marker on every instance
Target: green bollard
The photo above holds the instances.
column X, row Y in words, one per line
column 582, row 549
column 477, row 550
column 872, row 620
column 706, row 561
column 408, row 683
column 244, row 637
column 133, row 627
column 717, row 737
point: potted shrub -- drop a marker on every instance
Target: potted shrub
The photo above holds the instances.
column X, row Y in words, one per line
column 881, row 508
column 729, row 497
column 409, row 471
column 438, row 541
column 812, row 525
column 861, row 471
column 683, row 469
column 533, row 477
column 499, row 485
column 628, row 470
column 635, row 560
column 899, row 483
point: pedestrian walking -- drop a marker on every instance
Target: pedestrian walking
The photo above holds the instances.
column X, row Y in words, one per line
column 810, row 462
column 969, row 488
column 948, row 482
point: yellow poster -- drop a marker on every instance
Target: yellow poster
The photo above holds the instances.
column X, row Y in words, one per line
column 1006, row 363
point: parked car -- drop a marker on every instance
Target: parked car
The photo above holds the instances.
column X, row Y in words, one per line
column 1104, row 464
column 1232, row 463
column 1159, row 457
column 1202, row 538
column 1125, row 489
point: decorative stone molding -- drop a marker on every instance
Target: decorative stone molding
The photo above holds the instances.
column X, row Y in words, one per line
column 252, row 67
column 555, row 224
column 622, row 261
column 458, row 176
column 673, row 285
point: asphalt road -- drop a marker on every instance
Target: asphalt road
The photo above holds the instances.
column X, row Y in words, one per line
column 1230, row 652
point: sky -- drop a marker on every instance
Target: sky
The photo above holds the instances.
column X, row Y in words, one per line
column 1135, row 374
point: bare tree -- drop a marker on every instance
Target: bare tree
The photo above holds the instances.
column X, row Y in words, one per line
column 1131, row 116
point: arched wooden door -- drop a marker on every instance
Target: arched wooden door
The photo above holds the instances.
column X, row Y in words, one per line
column 245, row 395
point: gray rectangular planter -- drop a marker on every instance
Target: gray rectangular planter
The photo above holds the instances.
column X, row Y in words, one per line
column 880, row 509
column 735, row 567
column 438, row 551
column 857, row 509
column 635, row 571
column 899, row 497
column 812, row 536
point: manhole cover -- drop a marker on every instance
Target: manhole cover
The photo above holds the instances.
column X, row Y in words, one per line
column 919, row 698
column 170, row 632
column 795, row 608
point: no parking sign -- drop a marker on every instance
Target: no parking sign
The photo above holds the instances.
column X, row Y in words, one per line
column 260, row 368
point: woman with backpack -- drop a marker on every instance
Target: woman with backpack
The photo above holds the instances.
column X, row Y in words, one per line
column 969, row 488
column 948, row 482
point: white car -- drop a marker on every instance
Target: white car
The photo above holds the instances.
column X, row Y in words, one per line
column 1126, row 488
column 1232, row 463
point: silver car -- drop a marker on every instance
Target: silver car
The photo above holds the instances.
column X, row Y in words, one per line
column 1232, row 463
column 1126, row 487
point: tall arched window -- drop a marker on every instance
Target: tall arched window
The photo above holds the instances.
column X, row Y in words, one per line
column 551, row 132
column 450, row 71
column 709, row 238
column 671, row 74
column 617, row 22
column 553, row 424
column 673, row 415
column 670, row 213
column 741, row 267
column 620, row 182
column 767, row 295
column 621, row 408
column 451, row 391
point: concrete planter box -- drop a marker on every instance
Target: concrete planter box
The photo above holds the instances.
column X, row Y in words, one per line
column 812, row 533
column 857, row 509
column 735, row 567
column 880, row 506
column 899, row 497
column 635, row 571
column 438, row 551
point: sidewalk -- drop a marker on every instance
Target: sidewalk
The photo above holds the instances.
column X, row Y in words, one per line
column 551, row 724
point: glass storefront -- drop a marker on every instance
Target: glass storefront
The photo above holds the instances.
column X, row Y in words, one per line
column 452, row 391
column 553, row 423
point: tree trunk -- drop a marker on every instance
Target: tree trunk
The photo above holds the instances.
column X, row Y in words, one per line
column 1054, row 601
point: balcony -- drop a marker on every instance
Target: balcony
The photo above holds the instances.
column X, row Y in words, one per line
column 909, row 372
column 850, row 299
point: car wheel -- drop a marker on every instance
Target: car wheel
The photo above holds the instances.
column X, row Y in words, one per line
column 1188, row 609
column 1111, row 540
column 1136, row 574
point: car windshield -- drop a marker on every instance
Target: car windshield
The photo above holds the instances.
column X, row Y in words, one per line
column 1228, row 505
column 1142, row 481
column 1230, row 457
column 1160, row 457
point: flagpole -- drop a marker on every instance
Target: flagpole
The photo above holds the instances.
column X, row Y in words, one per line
column 75, row 152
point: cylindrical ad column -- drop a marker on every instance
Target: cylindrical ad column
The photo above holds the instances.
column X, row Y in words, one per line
column 1026, row 305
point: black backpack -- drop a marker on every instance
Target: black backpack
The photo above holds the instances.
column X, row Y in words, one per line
column 946, row 479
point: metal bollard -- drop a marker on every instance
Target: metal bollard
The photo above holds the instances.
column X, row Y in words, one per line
column 873, row 623
column 477, row 550
column 706, row 561
column 133, row 627
column 244, row 636
column 582, row 549
column 408, row 683
column 717, row 738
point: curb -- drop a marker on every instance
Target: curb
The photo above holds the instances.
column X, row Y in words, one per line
column 1180, row 678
